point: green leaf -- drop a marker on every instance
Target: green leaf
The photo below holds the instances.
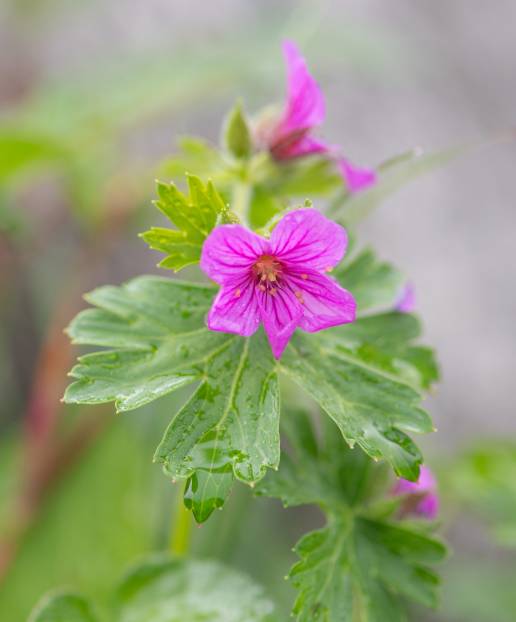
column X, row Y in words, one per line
column 194, row 216
column 164, row 589
column 237, row 137
column 155, row 330
column 231, row 419
column 359, row 566
column 174, row 590
column 65, row 607
column 373, row 283
column 21, row 150
column 207, row 491
column 365, row 378
column 357, row 569
column 310, row 176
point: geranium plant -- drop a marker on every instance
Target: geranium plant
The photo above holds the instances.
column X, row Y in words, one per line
column 285, row 301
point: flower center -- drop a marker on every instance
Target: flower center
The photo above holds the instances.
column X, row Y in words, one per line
column 267, row 271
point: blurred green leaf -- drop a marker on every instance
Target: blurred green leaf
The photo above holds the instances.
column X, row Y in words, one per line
column 195, row 157
column 357, row 567
column 392, row 176
column 21, row 150
column 120, row 514
column 194, row 216
column 237, row 137
column 264, row 205
column 63, row 608
column 175, row 590
column 312, row 176
column 374, row 284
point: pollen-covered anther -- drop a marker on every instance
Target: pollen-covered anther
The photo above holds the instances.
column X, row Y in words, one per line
column 299, row 296
column 238, row 292
column 267, row 269
column 304, row 276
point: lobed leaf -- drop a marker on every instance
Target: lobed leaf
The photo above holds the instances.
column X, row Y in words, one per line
column 361, row 565
column 194, row 216
column 365, row 376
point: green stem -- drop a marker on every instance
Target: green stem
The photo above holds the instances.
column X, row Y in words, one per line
column 181, row 529
column 241, row 199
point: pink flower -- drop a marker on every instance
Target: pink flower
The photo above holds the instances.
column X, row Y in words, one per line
column 407, row 301
column 304, row 111
column 278, row 282
column 421, row 496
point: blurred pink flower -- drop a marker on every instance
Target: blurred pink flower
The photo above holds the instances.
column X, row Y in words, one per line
column 304, row 111
column 407, row 301
column 279, row 282
column 421, row 496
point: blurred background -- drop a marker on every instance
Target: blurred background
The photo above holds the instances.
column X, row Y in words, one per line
column 93, row 97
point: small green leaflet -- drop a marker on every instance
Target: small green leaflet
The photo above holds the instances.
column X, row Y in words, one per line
column 362, row 565
column 63, row 607
column 163, row 589
column 194, row 216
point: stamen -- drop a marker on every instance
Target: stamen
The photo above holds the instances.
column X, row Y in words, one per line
column 268, row 271
column 299, row 296
column 237, row 293
column 304, row 276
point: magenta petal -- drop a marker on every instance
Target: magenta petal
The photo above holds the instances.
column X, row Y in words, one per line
column 229, row 251
column 356, row 178
column 305, row 237
column 305, row 145
column 280, row 315
column 428, row 506
column 407, row 301
column 325, row 302
column 235, row 310
column 305, row 102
